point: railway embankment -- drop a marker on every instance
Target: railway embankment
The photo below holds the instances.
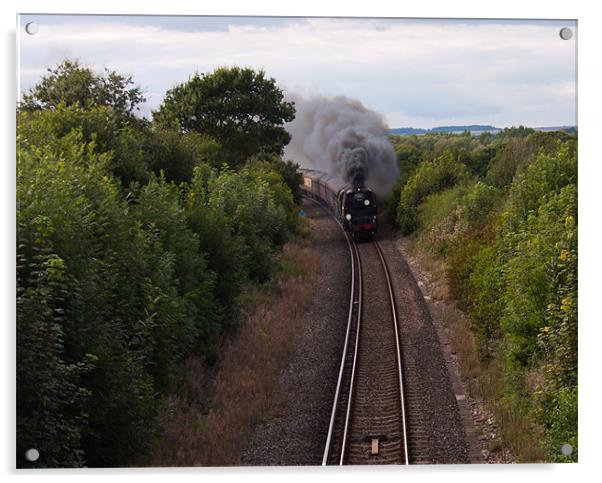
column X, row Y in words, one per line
column 459, row 349
column 296, row 429
column 209, row 420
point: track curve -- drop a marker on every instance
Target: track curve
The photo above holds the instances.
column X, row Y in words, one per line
column 368, row 421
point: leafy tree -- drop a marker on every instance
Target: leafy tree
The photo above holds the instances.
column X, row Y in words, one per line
column 50, row 396
column 288, row 170
column 71, row 83
column 533, row 223
column 240, row 108
column 175, row 154
column 514, row 154
column 515, row 132
column 547, row 175
column 281, row 192
column 117, row 287
column 474, row 207
column 69, row 209
column 508, row 242
column 430, row 177
column 101, row 131
column 253, row 216
column 480, row 159
column 225, row 251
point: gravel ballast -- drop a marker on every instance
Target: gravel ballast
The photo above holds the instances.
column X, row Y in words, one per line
column 295, row 432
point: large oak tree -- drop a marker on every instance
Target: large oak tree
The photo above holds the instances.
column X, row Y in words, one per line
column 240, row 108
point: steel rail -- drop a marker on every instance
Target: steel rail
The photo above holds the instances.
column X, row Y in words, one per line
column 344, row 356
column 353, row 253
column 398, row 345
column 355, row 352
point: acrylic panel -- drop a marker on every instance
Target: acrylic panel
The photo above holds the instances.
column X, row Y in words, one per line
column 295, row 241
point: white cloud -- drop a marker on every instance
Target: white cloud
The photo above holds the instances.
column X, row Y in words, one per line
column 417, row 73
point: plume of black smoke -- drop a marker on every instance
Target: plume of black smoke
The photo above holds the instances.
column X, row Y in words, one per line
column 342, row 137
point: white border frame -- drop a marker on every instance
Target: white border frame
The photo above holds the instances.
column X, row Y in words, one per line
column 589, row 201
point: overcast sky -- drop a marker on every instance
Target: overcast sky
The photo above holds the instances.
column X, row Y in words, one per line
column 420, row 73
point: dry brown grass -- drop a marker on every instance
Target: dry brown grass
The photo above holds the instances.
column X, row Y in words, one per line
column 215, row 433
column 519, row 434
column 462, row 341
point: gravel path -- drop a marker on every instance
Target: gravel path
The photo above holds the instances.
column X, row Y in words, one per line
column 296, row 432
column 436, row 427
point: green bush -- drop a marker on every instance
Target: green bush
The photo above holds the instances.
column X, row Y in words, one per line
column 515, row 154
column 50, row 397
column 437, row 220
column 252, row 215
column 430, row 177
column 116, row 288
column 288, row 170
column 557, row 411
column 508, row 242
column 100, row 131
column 70, row 210
column 175, row 154
column 181, row 302
column 476, row 206
column 482, row 290
column 280, row 188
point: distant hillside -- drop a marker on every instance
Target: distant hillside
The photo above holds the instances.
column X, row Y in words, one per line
column 569, row 129
column 473, row 128
column 407, row 130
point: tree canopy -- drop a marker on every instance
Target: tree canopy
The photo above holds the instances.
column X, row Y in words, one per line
column 134, row 249
column 71, row 83
column 240, row 108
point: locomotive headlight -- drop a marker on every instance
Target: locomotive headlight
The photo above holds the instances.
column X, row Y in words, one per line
column 366, row 202
column 348, row 216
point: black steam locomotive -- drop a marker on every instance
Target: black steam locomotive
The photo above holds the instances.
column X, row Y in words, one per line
column 355, row 206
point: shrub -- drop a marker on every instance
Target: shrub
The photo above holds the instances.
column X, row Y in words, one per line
column 175, row 154
column 281, row 192
column 483, row 287
column 509, row 245
column 50, row 398
column 122, row 273
column 99, row 130
column 69, row 214
column 430, row 177
column 475, row 207
column 181, row 304
column 252, row 215
column 437, row 219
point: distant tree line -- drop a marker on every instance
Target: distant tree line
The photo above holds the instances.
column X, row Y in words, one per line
column 135, row 240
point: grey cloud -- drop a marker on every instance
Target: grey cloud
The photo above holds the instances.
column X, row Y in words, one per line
column 418, row 71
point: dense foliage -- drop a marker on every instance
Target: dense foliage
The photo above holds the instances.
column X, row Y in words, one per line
column 501, row 213
column 70, row 83
column 133, row 249
column 240, row 108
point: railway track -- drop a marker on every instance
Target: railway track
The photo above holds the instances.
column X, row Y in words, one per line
column 368, row 419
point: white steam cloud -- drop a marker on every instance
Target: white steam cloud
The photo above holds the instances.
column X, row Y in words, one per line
column 340, row 136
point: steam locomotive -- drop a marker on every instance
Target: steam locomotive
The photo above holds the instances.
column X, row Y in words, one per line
column 354, row 205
